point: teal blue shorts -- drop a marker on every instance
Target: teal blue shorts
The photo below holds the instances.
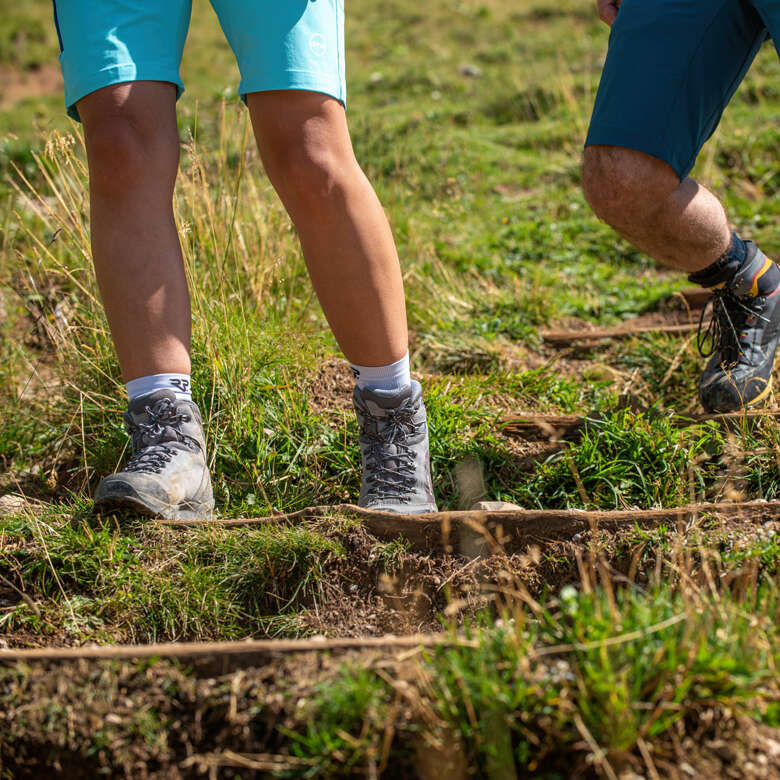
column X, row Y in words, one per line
column 279, row 44
column 671, row 69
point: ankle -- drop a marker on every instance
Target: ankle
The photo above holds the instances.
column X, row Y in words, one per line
column 743, row 267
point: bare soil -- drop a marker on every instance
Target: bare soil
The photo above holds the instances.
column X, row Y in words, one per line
column 17, row 84
column 157, row 720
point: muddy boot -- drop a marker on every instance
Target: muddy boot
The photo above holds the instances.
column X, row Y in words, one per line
column 167, row 474
column 394, row 445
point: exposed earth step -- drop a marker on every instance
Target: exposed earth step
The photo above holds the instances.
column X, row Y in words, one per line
column 477, row 532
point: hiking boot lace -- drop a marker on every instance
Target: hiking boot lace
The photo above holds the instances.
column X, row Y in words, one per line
column 726, row 331
column 150, row 455
column 391, row 475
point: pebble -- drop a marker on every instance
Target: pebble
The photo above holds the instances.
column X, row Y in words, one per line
column 13, row 504
column 470, row 71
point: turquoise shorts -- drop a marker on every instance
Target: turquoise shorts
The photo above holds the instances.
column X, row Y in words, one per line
column 671, row 69
column 279, row 44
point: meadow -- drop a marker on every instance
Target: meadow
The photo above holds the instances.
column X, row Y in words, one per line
column 644, row 650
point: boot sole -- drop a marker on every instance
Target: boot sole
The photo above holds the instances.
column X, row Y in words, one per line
column 399, row 510
column 129, row 505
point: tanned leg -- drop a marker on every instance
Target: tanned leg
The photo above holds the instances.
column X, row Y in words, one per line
column 133, row 153
column 679, row 223
column 306, row 149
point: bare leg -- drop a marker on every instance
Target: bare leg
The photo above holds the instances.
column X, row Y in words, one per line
column 306, row 149
column 133, row 153
column 679, row 223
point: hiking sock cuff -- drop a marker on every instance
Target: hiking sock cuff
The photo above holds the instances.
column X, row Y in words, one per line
column 725, row 267
column 394, row 376
column 180, row 384
column 743, row 268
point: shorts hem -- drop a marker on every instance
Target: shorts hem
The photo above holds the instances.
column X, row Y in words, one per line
column 304, row 81
column 117, row 74
column 627, row 138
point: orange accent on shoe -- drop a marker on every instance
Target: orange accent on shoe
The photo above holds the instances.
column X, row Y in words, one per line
column 754, row 286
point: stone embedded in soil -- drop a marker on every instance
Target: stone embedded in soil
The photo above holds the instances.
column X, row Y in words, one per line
column 495, row 506
column 13, row 504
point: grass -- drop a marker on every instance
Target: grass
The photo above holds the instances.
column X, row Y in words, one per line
column 594, row 667
column 100, row 582
column 629, row 459
column 469, row 119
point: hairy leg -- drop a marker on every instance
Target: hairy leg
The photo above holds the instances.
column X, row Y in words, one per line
column 133, row 153
column 679, row 223
column 346, row 240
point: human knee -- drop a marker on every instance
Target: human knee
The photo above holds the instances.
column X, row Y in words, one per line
column 625, row 187
column 125, row 146
column 310, row 175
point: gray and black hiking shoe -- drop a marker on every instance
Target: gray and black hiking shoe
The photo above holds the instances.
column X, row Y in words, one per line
column 167, row 474
column 741, row 342
column 394, row 445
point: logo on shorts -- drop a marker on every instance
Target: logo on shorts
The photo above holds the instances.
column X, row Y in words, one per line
column 317, row 45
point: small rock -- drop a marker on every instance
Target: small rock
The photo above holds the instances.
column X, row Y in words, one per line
column 13, row 504
column 773, row 746
column 688, row 769
column 723, row 751
column 470, row 71
column 495, row 506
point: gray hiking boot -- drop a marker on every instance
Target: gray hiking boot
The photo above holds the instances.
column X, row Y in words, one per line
column 742, row 337
column 167, row 474
column 394, row 445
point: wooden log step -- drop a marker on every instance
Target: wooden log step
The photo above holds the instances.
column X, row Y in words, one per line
column 216, row 658
column 593, row 335
column 694, row 299
column 561, row 427
column 480, row 533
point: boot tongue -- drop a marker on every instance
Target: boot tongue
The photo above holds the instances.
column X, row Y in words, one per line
column 163, row 433
column 138, row 405
column 380, row 402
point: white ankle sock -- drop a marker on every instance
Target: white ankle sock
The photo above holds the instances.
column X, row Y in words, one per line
column 179, row 383
column 392, row 377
